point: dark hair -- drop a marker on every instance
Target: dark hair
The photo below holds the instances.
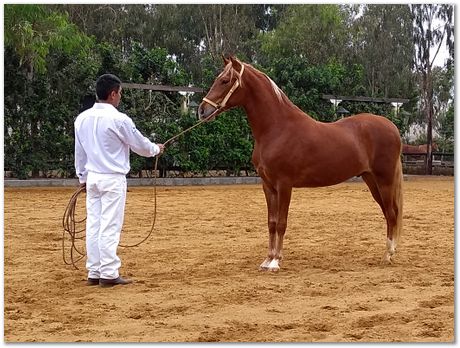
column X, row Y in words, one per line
column 87, row 102
column 105, row 84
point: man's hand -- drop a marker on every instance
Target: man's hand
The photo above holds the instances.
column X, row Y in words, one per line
column 162, row 148
column 82, row 186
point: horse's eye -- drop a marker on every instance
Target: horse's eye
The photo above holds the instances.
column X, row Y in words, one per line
column 225, row 81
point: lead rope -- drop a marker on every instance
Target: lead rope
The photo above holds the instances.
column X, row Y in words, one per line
column 69, row 223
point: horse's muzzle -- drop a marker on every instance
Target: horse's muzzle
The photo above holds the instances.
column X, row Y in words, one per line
column 205, row 110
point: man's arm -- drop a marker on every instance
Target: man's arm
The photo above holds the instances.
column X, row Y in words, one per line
column 80, row 161
column 137, row 142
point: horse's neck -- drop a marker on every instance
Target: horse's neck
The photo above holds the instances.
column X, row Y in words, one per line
column 267, row 108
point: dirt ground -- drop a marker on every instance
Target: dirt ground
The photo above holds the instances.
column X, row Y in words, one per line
column 197, row 278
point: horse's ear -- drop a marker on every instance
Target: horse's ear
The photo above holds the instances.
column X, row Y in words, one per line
column 226, row 60
column 235, row 62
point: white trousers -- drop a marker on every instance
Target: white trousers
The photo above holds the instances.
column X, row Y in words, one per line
column 105, row 209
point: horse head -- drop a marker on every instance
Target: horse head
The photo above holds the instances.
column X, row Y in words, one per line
column 223, row 94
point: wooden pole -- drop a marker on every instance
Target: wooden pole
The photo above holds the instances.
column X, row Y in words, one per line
column 163, row 88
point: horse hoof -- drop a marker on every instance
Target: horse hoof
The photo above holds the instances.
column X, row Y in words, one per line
column 274, row 266
column 265, row 265
column 269, row 269
column 387, row 259
column 270, row 265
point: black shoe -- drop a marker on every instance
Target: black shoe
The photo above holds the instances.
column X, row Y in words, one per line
column 106, row 283
column 92, row 281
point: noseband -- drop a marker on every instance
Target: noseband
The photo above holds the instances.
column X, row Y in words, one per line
column 230, row 92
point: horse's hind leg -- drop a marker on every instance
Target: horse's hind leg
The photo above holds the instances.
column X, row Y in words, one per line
column 270, row 197
column 391, row 193
column 391, row 217
column 370, row 182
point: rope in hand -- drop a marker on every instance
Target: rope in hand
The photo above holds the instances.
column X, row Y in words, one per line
column 69, row 222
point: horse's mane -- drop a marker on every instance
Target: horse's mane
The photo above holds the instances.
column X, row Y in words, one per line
column 279, row 93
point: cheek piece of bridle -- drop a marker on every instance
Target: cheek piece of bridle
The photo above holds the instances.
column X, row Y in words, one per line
column 222, row 104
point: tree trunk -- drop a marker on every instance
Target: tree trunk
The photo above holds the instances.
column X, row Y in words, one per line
column 429, row 115
column 33, row 122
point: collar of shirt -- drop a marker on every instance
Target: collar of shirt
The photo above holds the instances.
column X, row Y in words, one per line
column 99, row 105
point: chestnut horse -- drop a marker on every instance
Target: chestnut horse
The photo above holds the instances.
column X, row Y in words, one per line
column 418, row 149
column 293, row 150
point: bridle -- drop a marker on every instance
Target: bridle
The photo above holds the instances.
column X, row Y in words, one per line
column 236, row 84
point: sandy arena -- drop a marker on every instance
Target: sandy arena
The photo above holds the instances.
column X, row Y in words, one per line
column 197, row 278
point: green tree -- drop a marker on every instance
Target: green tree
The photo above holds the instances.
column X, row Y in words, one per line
column 305, row 84
column 429, row 34
column 189, row 33
column 34, row 36
column 382, row 43
column 314, row 32
column 443, row 105
column 446, row 130
column 32, row 30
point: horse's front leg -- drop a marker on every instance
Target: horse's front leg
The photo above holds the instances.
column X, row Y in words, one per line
column 282, row 199
column 271, row 198
column 282, row 202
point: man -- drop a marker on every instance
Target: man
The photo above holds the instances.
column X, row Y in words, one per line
column 103, row 139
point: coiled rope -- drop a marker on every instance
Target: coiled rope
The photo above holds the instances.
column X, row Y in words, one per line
column 69, row 223
column 76, row 231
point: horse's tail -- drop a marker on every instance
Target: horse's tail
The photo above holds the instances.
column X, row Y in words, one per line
column 398, row 200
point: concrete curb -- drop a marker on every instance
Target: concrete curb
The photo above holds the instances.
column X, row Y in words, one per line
column 139, row 182
column 223, row 180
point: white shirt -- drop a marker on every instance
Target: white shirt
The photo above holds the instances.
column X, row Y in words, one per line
column 103, row 138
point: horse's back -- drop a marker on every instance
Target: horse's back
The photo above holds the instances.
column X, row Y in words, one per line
column 372, row 121
column 310, row 153
column 374, row 130
column 377, row 137
column 381, row 139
